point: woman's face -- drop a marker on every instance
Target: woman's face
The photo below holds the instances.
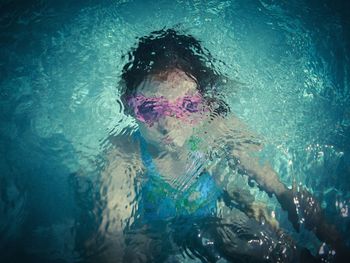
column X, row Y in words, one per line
column 167, row 106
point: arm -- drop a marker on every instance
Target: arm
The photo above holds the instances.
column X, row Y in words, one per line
column 268, row 180
column 118, row 193
column 219, row 146
column 242, row 147
column 239, row 146
column 234, row 195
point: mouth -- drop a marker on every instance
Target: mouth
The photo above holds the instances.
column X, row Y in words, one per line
column 168, row 140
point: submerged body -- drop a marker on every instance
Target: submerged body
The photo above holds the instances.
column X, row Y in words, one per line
column 178, row 168
column 181, row 174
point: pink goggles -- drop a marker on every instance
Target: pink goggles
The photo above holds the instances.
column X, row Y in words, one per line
column 151, row 109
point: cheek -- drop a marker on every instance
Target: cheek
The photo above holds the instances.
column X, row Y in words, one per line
column 149, row 132
column 144, row 127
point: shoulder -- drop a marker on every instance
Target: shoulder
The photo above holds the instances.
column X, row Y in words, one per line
column 221, row 131
column 127, row 141
column 216, row 126
column 124, row 150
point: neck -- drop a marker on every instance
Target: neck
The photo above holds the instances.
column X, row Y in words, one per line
column 161, row 151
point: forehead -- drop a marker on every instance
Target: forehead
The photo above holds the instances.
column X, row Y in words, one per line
column 171, row 85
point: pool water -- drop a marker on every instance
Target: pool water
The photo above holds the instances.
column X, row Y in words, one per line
column 60, row 73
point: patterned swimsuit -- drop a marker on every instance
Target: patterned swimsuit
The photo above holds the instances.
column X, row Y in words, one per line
column 161, row 201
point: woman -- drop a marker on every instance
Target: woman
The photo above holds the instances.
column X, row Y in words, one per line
column 183, row 161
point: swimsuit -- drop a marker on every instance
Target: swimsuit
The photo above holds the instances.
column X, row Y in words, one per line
column 161, row 201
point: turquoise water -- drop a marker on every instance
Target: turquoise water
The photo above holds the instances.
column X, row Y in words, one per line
column 60, row 65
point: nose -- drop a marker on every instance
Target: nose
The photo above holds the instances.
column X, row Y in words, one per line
column 166, row 125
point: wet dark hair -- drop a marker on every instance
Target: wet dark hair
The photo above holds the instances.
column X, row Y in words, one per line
column 165, row 50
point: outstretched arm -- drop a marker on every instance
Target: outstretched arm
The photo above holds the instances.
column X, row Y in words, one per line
column 241, row 152
column 297, row 202
column 268, row 180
